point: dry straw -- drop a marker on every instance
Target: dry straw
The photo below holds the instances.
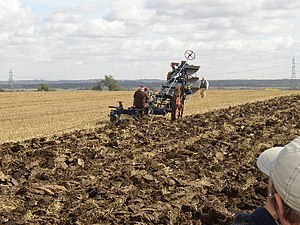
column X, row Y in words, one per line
column 34, row 114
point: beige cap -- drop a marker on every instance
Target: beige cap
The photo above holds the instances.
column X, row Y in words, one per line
column 283, row 165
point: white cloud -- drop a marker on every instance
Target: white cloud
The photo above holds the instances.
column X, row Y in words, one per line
column 131, row 11
column 280, row 5
column 122, row 37
column 103, row 28
column 13, row 17
column 64, row 17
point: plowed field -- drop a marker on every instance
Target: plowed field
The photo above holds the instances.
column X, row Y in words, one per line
column 199, row 170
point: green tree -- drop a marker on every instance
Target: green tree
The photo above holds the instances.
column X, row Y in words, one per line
column 43, row 87
column 110, row 83
column 2, row 90
column 98, row 87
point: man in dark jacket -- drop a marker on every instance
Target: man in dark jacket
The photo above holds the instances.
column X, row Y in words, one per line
column 282, row 165
column 140, row 99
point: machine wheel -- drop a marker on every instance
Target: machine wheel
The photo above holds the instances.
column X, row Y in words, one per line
column 113, row 118
column 189, row 55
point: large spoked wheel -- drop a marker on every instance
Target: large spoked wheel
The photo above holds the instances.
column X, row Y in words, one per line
column 189, row 55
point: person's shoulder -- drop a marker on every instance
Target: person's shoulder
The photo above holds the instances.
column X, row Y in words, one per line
column 242, row 219
column 259, row 216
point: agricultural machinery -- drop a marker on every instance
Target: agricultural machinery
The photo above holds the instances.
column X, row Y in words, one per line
column 166, row 100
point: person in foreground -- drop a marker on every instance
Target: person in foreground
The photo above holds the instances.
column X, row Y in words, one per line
column 282, row 165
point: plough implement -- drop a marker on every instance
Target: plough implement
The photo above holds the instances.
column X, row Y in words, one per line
column 167, row 100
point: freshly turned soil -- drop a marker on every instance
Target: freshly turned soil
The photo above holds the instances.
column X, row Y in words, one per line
column 199, row 170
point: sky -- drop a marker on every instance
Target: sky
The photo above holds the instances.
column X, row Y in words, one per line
column 137, row 39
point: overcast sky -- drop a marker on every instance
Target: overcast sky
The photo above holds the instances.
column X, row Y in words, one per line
column 135, row 39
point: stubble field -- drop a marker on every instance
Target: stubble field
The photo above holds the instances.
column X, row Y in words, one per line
column 200, row 170
column 35, row 114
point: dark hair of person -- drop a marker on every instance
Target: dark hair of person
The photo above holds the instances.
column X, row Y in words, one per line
column 289, row 214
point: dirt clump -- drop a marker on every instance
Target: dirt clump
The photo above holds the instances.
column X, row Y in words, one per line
column 200, row 170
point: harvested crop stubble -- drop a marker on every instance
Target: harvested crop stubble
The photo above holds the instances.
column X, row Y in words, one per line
column 197, row 171
column 35, row 114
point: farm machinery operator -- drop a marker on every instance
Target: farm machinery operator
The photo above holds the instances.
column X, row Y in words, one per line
column 140, row 99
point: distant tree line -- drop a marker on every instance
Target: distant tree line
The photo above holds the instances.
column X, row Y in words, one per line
column 283, row 83
column 109, row 83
